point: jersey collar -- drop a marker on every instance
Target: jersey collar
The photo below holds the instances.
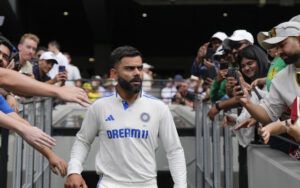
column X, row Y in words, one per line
column 124, row 102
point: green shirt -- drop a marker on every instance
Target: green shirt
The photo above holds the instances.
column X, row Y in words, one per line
column 217, row 90
column 277, row 65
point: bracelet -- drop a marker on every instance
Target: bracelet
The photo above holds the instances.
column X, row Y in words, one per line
column 217, row 106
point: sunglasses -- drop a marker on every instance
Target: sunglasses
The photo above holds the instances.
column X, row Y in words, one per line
column 237, row 45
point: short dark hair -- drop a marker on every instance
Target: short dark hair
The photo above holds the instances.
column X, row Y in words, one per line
column 6, row 43
column 123, row 51
column 43, row 48
column 55, row 43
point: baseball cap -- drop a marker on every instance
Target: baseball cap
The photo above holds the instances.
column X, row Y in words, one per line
column 49, row 56
column 241, row 34
column 280, row 32
column 219, row 35
column 178, row 77
column 147, row 66
column 261, row 36
column 295, row 18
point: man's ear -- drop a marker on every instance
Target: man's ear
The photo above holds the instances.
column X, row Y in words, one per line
column 19, row 47
column 113, row 73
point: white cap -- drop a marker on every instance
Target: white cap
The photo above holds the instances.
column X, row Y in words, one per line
column 261, row 36
column 295, row 18
column 241, row 34
column 48, row 56
column 280, row 33
column 220, row 35
column 147, row 66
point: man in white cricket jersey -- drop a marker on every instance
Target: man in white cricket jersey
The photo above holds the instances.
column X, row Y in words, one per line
column 128, row 123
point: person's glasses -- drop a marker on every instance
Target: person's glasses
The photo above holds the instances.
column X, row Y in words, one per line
column 237, row 45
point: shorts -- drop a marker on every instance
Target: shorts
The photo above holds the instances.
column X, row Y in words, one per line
column 106, row 182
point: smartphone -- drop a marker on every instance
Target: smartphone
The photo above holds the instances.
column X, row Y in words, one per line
column 223, row 66
column 231, row 72
column 61, row 68
column 238, row 80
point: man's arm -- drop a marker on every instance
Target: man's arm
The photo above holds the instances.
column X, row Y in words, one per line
column 171, row 143
column 32, row 135
column 80, row 149
column 227, row 104
column 54, row 160
column 19, row 83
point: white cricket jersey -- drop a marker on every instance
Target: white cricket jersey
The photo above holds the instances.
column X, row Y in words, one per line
column 128, row 137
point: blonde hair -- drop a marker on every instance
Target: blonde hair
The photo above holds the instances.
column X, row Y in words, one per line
column 29, row 36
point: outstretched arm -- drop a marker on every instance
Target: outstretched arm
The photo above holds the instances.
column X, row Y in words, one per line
column 21, row 84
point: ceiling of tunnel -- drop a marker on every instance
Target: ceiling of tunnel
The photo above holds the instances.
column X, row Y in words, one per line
column 157, row 27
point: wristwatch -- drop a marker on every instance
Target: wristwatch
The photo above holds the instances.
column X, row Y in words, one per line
column 217, row 106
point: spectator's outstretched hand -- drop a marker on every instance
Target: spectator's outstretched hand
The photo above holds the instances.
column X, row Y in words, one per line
column 12, row 102
column 75, row 181
column 57, row 162
column 264, row 133
column 202, row 52
column 246, row 123
column 228, row 120
column 36, row 137
column 73, row 94
column 294, row 130
column 213, row 111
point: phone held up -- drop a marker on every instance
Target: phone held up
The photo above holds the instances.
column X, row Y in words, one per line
column 61, row 68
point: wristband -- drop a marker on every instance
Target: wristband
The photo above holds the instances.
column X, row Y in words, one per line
column 217, row 106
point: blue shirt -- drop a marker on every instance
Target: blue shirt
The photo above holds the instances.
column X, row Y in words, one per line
column 36, row 73
column 4, row 106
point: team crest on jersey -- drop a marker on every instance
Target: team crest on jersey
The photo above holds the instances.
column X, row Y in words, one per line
column 145, row 117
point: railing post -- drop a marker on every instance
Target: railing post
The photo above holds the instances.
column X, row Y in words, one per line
column 47, row 129
column 228, row 158
column 4, row 156
column 216, row 154
column 206, row 148
column 199, row 144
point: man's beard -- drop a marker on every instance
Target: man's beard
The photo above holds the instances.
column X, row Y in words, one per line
column 124, row 84
column 292, row 59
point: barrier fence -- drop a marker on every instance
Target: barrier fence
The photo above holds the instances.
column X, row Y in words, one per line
column 30, row 168
column 208, row 150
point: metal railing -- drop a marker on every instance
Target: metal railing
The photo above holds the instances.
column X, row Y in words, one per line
column 30, row 168
column 208, row 153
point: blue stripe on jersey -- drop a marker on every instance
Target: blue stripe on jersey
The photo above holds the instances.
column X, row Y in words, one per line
column 100, row 179
column 151, row 97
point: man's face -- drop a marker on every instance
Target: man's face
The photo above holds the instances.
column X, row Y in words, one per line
column 183, row 87
column 215, row 43
column 289, row 50
column 45, row 66
column 4, row 56
column 129, row 74
column 238, row 46
column 27, row 49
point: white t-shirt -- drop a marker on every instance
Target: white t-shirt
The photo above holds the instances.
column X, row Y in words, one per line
column 147, row 82
column 73, row 75
column 283, row 91
column 128, row 139
column 61, row 60
column 168, row 93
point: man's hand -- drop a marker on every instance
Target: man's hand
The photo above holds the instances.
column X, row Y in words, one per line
column 75, row 181
column 259, row 82
column 228, row 120
column 12, row 102
column 73, row 94
column 61, row 77
column 230, row 83
column 36, row 137
column 201, row 52
column 241, row 95
column 246, row 123
column 294, row 131
column 208, row 81
column 57, row 162
column 264, row 133
column 212, row 112
column 208, row 63
column 221, row 75
column 11, row 64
